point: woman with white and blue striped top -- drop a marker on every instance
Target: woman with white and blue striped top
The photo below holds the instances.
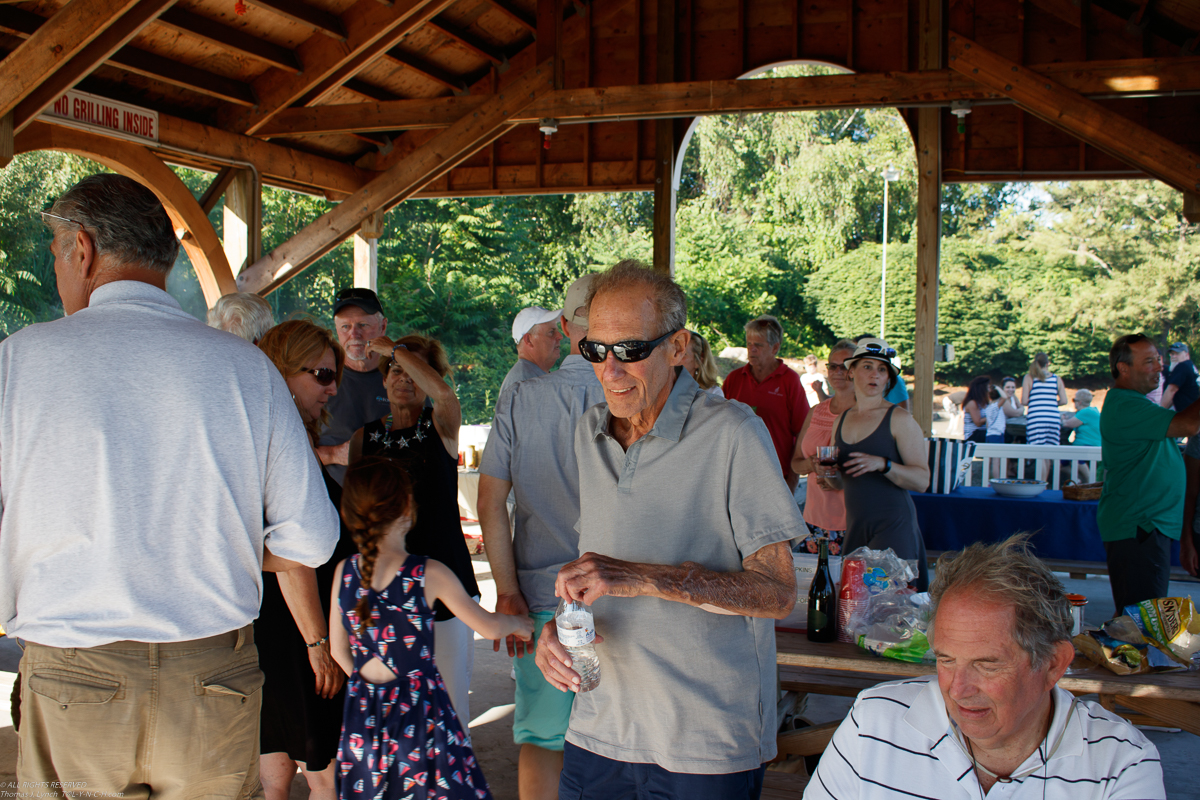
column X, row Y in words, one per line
column 1042, row 393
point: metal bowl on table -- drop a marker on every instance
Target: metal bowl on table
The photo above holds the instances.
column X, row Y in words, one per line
column 1017, row 487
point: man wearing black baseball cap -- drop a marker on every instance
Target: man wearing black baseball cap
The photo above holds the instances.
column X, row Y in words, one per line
column 1181, row 388
column 361, row 398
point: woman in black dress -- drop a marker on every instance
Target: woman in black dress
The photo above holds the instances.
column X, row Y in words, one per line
column 882, row 454
column 424, row 439
column 302, row 696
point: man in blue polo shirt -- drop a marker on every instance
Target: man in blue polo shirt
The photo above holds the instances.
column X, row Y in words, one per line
column 1141, row 508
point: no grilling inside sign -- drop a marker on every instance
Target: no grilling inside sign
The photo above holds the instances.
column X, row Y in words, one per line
column 99, row 113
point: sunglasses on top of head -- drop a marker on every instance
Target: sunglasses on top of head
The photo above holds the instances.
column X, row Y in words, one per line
column 625, row 352
column 886, row 352
column 324, row 375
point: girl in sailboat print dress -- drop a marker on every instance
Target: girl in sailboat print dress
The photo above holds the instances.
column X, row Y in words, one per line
column 401, row 739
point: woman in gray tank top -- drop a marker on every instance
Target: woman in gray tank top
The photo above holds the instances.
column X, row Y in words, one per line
column 882, row 455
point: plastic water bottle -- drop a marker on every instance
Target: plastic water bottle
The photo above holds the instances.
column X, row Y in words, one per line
column 576, row 632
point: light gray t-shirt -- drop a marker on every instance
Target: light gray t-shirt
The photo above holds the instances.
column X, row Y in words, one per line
column 532, row 444
column 686, row 689
column 144, row 459
column 521, row 371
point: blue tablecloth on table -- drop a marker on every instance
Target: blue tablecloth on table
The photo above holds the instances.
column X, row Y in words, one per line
column 1064, row 529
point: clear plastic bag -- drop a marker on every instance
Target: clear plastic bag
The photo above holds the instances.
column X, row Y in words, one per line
column 892, row 621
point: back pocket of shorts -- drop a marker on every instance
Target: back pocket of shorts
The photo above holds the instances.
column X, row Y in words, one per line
column 240, row 680
column 67, row 687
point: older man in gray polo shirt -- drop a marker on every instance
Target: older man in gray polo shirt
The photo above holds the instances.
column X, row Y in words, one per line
column 531, row 450
column 670, row 475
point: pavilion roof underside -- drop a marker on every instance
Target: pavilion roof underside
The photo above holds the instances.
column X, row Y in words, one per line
column 346, row 89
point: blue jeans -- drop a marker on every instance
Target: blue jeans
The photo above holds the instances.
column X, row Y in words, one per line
column 587, row 776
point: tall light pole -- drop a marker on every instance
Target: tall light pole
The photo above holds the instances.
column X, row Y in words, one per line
column 890, row 174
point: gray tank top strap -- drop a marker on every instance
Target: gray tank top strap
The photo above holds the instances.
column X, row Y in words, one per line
column 878, row 442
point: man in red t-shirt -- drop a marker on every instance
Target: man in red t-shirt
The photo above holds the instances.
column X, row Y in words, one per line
column 771, row 388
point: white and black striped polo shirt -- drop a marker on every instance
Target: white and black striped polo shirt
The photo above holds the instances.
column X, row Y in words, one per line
column 896, row 742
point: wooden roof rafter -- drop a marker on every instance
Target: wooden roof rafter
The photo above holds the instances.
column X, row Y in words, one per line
column 26, row 24
column 371, row 29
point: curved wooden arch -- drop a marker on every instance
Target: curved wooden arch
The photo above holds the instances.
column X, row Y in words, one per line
column 200, row 241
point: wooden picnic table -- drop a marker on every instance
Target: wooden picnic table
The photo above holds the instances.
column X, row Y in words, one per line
column 1170, row 699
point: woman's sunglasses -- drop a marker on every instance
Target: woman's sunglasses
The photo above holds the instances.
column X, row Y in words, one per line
column 324, row 375
column 625, row 352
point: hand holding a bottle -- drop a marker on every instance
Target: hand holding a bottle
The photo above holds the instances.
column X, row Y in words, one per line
column 555, row 662
column 592, row 576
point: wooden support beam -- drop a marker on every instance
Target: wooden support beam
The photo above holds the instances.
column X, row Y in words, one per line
column 676, row 100
column 929, row 234
column 79, row 66
column 232, row 40
column 134, row 161
column 55, row 43
column 466, row 40
column 370, row 28
column 366, row 251
column 549, row 36
column 24, row 23
column 243, row 220
column 431, row 72
column 366, row 261
column 664, row 146
column 515, row 14
column 288, row 166
column 1087, row 120
column 1191, row 204
column 184, row 76
column 6, row 140
column 362, row 89
column 318, row 19
column 369, row 54
column 216, row 190
column 423, row 165
column 931, row 28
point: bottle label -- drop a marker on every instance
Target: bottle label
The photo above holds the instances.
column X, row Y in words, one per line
column 576, row 637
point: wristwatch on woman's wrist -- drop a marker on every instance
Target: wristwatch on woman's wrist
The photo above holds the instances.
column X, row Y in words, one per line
column 887, row 466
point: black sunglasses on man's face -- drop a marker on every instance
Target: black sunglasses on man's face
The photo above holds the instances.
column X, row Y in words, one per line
column 625, row 352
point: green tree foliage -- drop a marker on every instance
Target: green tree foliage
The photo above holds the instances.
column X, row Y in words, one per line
column 1132, row 259
column 991, row 301
column 28, row 185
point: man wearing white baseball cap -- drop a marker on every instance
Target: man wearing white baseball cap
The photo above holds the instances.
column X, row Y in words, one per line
column 537, row 339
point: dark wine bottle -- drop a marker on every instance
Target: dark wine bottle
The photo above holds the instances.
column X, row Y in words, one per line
column 822, row 601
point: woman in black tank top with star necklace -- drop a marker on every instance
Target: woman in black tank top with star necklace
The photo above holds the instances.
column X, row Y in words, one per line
column 424, row 440
column 882, row 455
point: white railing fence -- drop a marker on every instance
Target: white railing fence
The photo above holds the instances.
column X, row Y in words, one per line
column 996, row 458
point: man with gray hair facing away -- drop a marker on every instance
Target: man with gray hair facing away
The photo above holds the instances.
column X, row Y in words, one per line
column 531, row 450
column 243, row 314
column 992, row 714
column 685, row 526
column 141, row 496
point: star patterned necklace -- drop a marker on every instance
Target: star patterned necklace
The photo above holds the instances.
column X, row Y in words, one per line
column 384, row 437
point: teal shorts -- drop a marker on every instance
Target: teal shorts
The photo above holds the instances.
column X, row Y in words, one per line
column 542, row 711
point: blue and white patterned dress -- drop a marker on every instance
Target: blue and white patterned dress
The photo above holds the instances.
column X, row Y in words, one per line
column 400, row 740
column 1043, row 422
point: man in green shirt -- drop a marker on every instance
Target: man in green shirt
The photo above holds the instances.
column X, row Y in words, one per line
column 1141, row 508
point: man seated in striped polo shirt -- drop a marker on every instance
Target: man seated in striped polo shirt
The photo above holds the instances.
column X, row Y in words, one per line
column 993, row 722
